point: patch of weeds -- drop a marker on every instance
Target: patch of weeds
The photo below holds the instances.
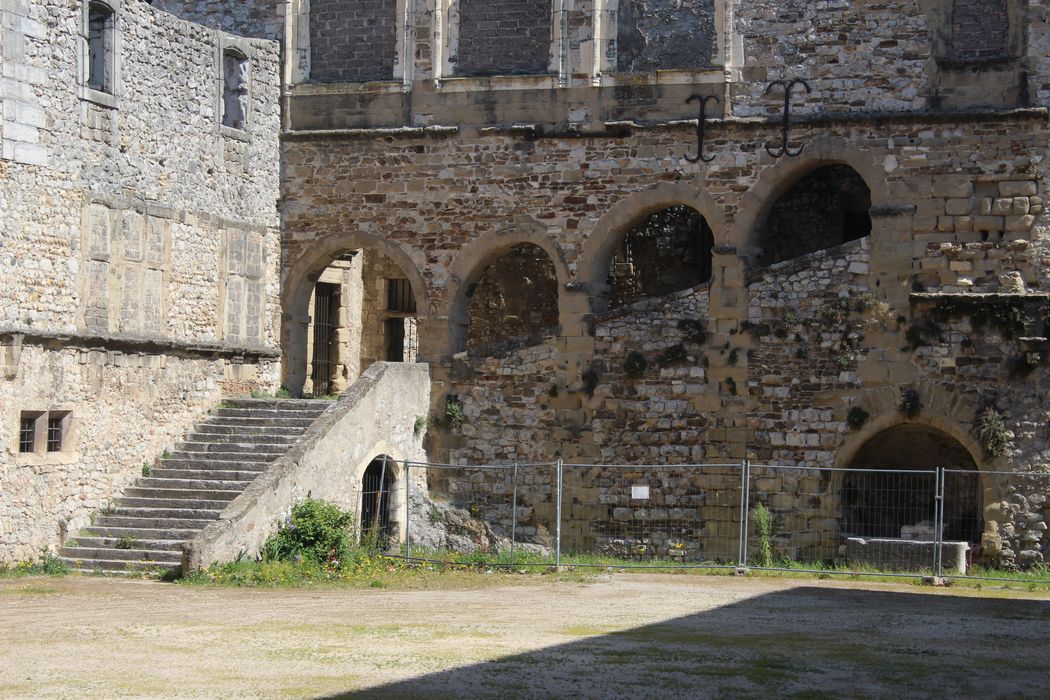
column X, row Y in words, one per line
column 764, row 524
column 843, row 360
column 857, row 417
column 46, row 564
column 693, row 331
column 923, row 331
column 1006, row 315
column 454, row 416
column 730, row 385
column 553, row 390
column 673, row 355
column 107, row 508
column 282, row 393
column 755, row 330
column 145, row 469
column 991, row 430
column 377, row 583
column 734, row 357
column 801, row 353
column 261, row 394
column 635, row 364
column 126, row 542
column 910, row 404
column 165, row 454
column 865, row 301
column 419, row 425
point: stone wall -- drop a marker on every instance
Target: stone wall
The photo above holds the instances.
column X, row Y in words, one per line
column 506, row 38
column 352, row 41
column 140, row 252
column 657, row 34
column 980, row 29
column 260, row 20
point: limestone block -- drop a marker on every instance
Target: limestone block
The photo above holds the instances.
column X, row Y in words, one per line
column 1019, row 223
column 1017, row 188
column 958, row 206
column 1002, row 206
column 1021, row 205
column 988, row 223
column 953, row 186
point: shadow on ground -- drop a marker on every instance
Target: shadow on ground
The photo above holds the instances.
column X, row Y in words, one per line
column 807, row 642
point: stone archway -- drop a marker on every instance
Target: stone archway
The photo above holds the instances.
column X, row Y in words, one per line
column 384, row 264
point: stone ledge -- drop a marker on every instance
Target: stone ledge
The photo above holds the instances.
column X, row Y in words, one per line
column 411, row 132
column 127, row 344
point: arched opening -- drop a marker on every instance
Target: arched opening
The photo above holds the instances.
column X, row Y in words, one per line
column 514, row 300
column 892, row 492
column 376, row 487
column 825, row 208
column 361, row 309
column 667, row 252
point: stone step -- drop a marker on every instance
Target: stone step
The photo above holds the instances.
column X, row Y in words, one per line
column 246, row 475
column 282, row 441
column 204, row 494
column 117, row 567
column 171, row 504
column 248, row 456
column 143, row 534
column 209, row 463
column 249, row 431
column 227, row 447
column 147, row 518
column 260, row 413
column 204, row 485
column 113, row 554
column 153, row 512
column 138, row 542
column 259, row 422
column 317, row 405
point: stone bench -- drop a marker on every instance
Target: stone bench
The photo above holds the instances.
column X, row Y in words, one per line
column 906, row 555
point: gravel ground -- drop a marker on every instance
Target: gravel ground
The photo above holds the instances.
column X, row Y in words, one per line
column 625, row 635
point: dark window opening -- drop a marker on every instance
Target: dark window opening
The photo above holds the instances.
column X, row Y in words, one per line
column 824, row 209
column 399, row 296
column 55, row 433
column 980, row 29
column 395, row 339
column 515, row 299
column 667, row 252
column 235, row 90
column 101, row 27
column 27, row 434
column 376, row 487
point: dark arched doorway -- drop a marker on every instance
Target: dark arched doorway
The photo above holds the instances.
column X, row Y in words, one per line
column 892, row 488
column 376, row 487
column 823, row 209
column 668, row 251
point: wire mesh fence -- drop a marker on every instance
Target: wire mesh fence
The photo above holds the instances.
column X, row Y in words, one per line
column 856, row 521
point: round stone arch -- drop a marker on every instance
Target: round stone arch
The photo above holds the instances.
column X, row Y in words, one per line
column 775, row 181
column 393, row 489
column 297, row 280
column 597, row 252
column 474, row 258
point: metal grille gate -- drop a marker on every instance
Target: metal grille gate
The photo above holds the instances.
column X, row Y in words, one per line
column 324, row 298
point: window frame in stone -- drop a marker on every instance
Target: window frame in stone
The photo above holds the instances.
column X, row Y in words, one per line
column 241, row 48
column 29, row 427
column 400, row 296
column 57, row 430
column 104, row 91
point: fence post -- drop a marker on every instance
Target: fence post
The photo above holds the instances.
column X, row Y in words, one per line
column 557, row 528
column 938, row 523
column 741, row 535
column 746, row 517
column 408, row 511
column 513, row 513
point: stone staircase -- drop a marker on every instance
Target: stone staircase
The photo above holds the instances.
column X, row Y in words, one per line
column 146, row 525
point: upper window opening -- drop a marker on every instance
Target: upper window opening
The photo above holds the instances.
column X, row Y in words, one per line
column 399, row 296
column 824, row 209
column 101, row 29
column 667, row 252
column 56, row 428
column 235, row 90
column 980, row 29
column 27, row 433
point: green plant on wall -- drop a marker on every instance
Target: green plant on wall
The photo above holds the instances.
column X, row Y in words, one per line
column 856, row 417
column 634, row 365
column 992, row 432
column 692, row 330
column 590, row 377
column 454, row 416
column 910, row 403
column 673, row 355
column 419, row 426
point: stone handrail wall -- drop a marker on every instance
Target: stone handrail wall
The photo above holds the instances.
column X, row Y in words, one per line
column 376, row 415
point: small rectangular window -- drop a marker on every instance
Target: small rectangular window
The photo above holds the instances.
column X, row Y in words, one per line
column 27, row 433
column 399, row 296
column 55, row 432
column 100, row 39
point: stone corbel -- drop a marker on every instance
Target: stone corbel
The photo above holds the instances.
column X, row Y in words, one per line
column 13, row 356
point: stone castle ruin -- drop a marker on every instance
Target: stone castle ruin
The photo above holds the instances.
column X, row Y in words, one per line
column 614, row 232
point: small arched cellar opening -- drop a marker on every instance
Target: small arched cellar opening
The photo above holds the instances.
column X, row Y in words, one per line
column 514, row 301
column 377, row 485
column 825, row 208
column 668, row 251
column 891, row 490
column 362, row 309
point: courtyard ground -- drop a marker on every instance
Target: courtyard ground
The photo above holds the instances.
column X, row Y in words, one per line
column 622, row 635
